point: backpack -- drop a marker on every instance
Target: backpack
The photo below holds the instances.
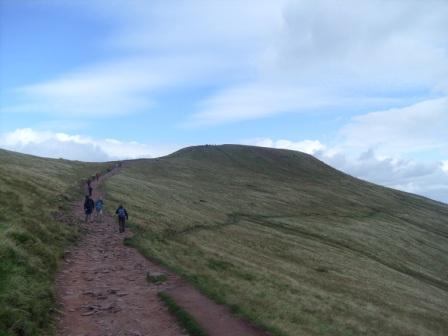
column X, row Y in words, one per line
column 88, row 204
column 121, row 212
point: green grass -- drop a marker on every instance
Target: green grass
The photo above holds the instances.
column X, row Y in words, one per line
column 185, row 319
column 290, row 243
column 35, row 227
column 156, row 279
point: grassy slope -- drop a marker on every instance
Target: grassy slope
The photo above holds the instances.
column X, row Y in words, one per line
column 32, row 192
column 295, row 245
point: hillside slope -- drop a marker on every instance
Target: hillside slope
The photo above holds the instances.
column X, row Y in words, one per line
column 35, row 194
column 290, row 242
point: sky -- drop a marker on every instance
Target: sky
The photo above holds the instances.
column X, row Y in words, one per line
column 361, row 85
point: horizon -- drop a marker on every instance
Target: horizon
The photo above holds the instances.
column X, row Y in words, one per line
column 362, row 87
column 212, row 145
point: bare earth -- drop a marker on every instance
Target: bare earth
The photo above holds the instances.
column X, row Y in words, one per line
column 102, row 291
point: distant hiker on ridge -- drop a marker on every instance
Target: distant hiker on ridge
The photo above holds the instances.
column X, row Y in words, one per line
column 89, row 186
column 99, row 205
column 122, row 217
column 88, row 207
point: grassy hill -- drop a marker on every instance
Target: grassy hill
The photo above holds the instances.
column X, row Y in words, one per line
column 35, row 194
column 293, row 244
column 282, row 238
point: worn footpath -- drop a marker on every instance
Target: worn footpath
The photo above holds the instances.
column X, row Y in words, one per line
column 103, row 290
column 102, row 287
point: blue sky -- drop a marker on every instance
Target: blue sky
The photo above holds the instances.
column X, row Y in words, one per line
column 361, row 85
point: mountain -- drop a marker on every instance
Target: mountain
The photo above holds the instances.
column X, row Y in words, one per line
column 283, row 239
column 291, row 243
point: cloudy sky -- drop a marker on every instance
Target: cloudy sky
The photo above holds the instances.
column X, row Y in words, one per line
column 362, row 85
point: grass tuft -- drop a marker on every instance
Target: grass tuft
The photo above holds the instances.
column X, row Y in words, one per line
column 156, row 279
column 185, row 319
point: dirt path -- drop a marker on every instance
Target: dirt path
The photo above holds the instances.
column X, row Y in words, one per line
column 102, row 291
column 102, row 287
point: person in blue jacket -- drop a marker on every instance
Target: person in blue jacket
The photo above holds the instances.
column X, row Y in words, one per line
column 99, row 205
column 122, row 217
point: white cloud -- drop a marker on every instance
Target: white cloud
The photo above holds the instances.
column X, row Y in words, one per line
column 338, row 54
column 260, row 57
column 388, row 171
column 115, row 88
column 101, row 90
column 254, row 101
column 180, row 26
column 258, row 100
column 397, row 41
column 430, row 180
column 306, row 146
column 78, row 147
column 444, row 166
column 257, row 59
column 407, row 175
column 415, row 128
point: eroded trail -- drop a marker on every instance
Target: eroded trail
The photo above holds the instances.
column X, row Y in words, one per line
column 103, row 291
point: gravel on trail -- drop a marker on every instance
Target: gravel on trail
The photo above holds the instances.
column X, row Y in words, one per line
column 102, row 287
column 102, row 290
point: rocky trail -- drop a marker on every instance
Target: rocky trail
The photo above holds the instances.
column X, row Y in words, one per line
column 103, row 291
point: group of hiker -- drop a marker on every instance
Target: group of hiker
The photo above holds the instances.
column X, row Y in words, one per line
column 90, row 205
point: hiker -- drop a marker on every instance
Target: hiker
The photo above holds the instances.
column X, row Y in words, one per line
column 122, row 216
column 99, row 204
column 97, row 177
column 89, row 187
column 88, row 207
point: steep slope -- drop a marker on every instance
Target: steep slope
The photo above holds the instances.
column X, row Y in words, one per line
column 295, row 245
column 34, row 196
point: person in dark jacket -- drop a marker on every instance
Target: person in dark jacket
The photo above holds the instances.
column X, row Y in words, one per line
column 88, row 207
column 122, row 217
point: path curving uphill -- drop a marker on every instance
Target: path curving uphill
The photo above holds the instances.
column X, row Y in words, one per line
column 103, row 290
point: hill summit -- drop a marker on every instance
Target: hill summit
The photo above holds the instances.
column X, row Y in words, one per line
column 290, row 242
